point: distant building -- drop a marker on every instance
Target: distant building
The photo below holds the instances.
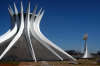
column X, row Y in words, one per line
column 78, row 53
column 98, row 53
column 71, row 52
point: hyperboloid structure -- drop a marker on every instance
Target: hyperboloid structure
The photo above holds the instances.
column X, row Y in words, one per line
column 24, row 40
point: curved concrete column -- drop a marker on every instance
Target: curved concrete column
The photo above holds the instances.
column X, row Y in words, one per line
column 33, row 29
column 12, row 23
column 27, row 33
column 13, row 27
column 17, row 17
column 17, row 35
column 47, row 40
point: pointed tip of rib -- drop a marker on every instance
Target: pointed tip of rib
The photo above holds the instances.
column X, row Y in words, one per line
column 29, row 4
column 8, row 8
column 14, row 4
column 41, row 7
column 15, row 9
column 43, row 11
column 11, row 10
column 21, row 6
column 36, row 4
column 21, row 1
column 28, row 7
column 9, row 5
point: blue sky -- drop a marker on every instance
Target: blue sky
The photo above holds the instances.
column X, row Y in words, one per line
column 64, row 21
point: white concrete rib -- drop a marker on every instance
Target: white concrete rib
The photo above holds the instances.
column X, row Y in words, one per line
column 27, row 33
column 17, row 17
column 5, row 34
column 18, row 35
column 11, row 10
column 13, row 28
column 47, row 40
column 33, row 14
column 33, row 29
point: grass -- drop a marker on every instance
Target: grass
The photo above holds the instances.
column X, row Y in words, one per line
column 9, row 63
column 80, row 62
